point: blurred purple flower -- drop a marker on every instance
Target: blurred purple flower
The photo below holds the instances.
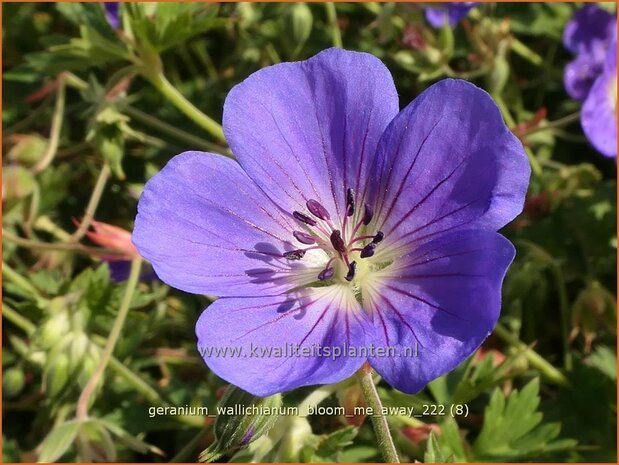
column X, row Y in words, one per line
column 599, row 112
column 112, row 13
column 588, row 36
column 344, row 226
column 448, row 12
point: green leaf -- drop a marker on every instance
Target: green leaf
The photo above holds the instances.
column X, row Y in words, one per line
column 131, row 441
column 450, row 440
column 434, row 453
column 605, row 360
column 330, row 446
column 512, row 427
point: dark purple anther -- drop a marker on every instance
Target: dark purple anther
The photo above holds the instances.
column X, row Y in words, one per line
column 303, row 218
column 338, row 243
column 294, row 254
column 318, row 210
column 368, row 250
column 378, row 237
column 304, row 238
column 350, row 202
column 368, row 214
column 327, row 273
column 352, row 268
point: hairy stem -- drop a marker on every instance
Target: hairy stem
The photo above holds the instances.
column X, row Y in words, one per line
column 379, row 421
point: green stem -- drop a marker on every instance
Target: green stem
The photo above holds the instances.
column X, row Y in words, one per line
column 93, row 203
column 379, row 421
column 160, row 82
column 549, row 372
column 535, row 166
column 525, row 52
column 32, row 116
column 179, row 134
column 119, row 322
column 565, row 314
column 553, row 124
column 191, row 447
column 14, row 317
column 43, row 223
column 13, row 276
column 336, row 35
column 54, row 137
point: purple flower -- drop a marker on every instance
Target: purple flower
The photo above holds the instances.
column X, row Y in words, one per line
column 112, row 14
column 588, row 36
column 448, row 12
column 406, row 266
column 599, row 112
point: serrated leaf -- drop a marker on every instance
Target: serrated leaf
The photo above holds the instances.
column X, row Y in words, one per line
column 451, row 441
column 605, row 360
column 434, row 452
column 512, row 426
column 330, row 446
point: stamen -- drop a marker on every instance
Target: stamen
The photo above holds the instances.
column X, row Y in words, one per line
column 327, row 273
column 304, row 238
column 350, row 202
column 337, row 242
column 368, row 250
column 294, row 254
column 318, row 210
column 352, row 268
column 368, row 213
column 302, row 217
column 378, row 237
column 361, row 238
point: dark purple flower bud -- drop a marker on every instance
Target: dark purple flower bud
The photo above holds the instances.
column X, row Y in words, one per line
column 318, row 210
column 368, row 214
column 336, row 240
column 350, row 202
column 368, row 250
column 378, row 237
column 112, row 14
column 303, row 218
column 352, row 269
column 327, row 273
column 294, row 254
column 304, row 238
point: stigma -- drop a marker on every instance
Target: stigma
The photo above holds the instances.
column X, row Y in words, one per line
column 341, row 244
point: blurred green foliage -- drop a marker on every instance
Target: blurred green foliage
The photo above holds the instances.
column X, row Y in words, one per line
column 80, row 95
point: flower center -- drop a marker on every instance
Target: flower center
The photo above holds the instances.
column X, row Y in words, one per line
column 340, row 244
